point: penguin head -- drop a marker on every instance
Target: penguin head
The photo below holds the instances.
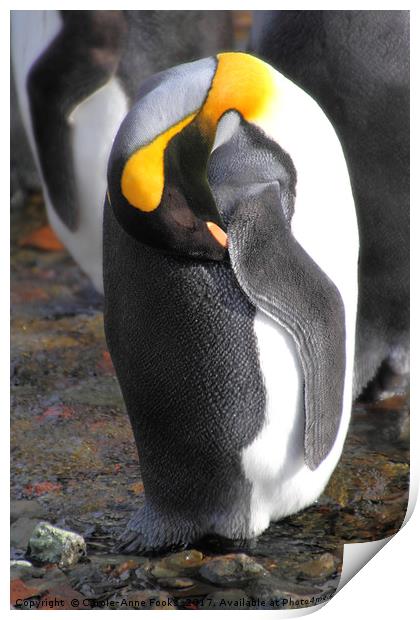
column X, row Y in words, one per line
column 178, row 143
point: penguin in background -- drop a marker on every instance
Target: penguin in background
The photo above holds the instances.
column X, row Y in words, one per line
column 230, row 276
column 356, row 66
column 76, row 75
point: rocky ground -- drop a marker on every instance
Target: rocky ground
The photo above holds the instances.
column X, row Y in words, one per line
column 74, row 464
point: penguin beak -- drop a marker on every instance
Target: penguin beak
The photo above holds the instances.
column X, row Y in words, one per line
column 218, row 234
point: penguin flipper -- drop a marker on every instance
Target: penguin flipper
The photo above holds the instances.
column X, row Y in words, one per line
column 283, row 281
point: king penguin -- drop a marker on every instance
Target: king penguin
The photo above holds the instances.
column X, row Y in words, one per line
column 356, row 66
column 230, row 276
column 76, row 75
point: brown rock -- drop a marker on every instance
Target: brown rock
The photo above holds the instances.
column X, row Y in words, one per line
column 178, row 564
column 20, row 591
column 232, row 568
column 322, row 566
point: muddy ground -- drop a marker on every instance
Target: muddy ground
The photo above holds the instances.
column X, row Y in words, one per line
column 74, row 463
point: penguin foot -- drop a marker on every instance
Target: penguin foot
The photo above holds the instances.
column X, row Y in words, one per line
column 386, row 383
column 149, row 532
column 130, row 542
column 220, row 544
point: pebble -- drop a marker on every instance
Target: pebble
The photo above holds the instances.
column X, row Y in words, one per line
column 125, row 567
column 21, row 569
column 322, row 566
column 178, row 564
column 49, row 544
column 20, row 563
column 176, row 582
column 231, row 569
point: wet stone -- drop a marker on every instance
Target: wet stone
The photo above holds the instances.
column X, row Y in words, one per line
column 178, row 564
column 267, row 593
column 176, row 582
column 319, row 567
column 49, row 544
column 231, row 569
column 123, row 569
column 82, row 574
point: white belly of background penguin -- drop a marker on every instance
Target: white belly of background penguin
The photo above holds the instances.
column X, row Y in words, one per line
column 91, row 116
column 230, row 273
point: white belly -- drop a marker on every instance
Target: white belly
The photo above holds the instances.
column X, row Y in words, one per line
column 274, row 462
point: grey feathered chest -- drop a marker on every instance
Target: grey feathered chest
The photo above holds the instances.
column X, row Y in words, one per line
column 181, row 336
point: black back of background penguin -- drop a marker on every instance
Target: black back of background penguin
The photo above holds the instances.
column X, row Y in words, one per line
column 356, row 65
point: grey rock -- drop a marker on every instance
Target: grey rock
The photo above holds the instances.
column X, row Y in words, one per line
column 229, row 569
column 49, row 544
column 21, row 530
column 28, row 508
column 22, row 569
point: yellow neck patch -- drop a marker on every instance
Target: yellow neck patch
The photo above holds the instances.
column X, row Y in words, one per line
column 241, row 82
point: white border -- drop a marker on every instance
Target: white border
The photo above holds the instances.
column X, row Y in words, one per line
column 387, row 585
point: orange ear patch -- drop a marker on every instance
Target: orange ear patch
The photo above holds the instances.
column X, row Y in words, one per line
column 241, row 82
column 219, row 234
